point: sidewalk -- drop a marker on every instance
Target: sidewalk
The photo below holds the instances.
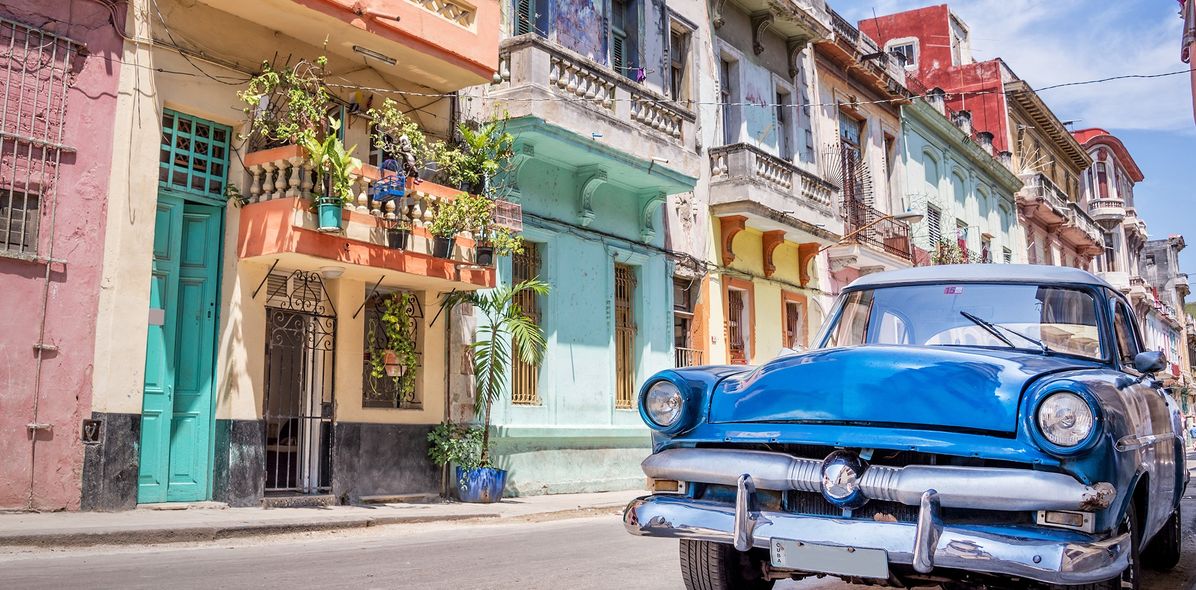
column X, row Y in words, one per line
column 211, row 523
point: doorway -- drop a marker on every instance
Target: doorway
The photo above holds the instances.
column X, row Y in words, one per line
column 300, row 359
column 177, row 405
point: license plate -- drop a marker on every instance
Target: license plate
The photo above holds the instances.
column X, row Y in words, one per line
column 830, row 559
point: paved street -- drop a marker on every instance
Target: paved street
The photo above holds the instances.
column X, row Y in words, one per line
column 591, row 552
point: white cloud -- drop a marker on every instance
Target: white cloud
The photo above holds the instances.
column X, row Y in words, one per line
column 1060, row 41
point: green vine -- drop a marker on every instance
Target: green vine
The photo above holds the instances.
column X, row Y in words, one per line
column 395, row 321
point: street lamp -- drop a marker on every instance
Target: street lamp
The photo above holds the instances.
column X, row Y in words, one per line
column 907, row 216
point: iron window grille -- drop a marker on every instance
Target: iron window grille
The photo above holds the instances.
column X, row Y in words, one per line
column 194, row 155
column 37, row 68
column 625, row 329
column 386, row 391
column 525, row 377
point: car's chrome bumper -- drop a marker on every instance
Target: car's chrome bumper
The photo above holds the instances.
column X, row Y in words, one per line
column 926, row 545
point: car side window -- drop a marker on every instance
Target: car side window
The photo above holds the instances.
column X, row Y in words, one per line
column 1123, row 329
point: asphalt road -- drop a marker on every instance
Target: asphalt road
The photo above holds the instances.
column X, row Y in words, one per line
column 591, row 552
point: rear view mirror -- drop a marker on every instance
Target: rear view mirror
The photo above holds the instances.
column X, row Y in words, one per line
column 1150, row 362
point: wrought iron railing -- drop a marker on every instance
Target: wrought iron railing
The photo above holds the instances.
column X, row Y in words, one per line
column 688, row 357
column 1038, row 185
column 872, row 228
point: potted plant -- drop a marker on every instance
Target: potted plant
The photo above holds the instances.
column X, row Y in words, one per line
column 394, row 354
column 483, row 154
column 503, row 324
column 460, row 445
column 494, row 241
column 398, row 235
column 332, row 164
column 464, row 213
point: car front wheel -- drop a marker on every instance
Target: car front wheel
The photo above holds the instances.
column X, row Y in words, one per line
column 1163, row 551
column 716, row 566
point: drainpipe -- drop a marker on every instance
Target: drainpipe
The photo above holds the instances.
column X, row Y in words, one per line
column 448, row 393
column 41, row 346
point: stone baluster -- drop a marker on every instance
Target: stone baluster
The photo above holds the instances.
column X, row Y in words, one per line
column 268, row 181
column 389, row 212
column 255, row 185
column 351, row 204
column 307, row 179
column 297, row 166
column 417, row 209
column 280, row 179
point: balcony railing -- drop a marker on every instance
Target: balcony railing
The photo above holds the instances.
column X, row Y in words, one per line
column 529, row 60
column 1038, row 185
column 286, row 172
column 1080, row 220
column 850, row 36
column 688, row 357
column 743, row 160
column 890, row 235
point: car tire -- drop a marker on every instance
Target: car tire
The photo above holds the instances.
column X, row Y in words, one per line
column 1163, row 551
column 717, row 566
column 1131, row 577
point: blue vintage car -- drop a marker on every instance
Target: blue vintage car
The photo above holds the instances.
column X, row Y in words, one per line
column 964, row 426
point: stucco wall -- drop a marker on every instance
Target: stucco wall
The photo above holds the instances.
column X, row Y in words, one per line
column 52, row 482
column 941, row 168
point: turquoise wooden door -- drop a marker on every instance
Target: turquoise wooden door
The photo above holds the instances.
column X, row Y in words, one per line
column 176, row 419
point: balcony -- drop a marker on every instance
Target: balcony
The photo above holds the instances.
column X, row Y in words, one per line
column 772, row 193
column 546, row 81
column 1139, row 291
column 687, row 357
column 1107, row 212
column 877, row 243
column 1120, row 280
column 796, row 21
column 1082, row 231
column 444, row 45
column 861, row 57
column 1042, row 201
column 276, row 223
column 1181, row 284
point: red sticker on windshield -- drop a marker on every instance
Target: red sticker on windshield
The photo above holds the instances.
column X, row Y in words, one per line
column 953, row 290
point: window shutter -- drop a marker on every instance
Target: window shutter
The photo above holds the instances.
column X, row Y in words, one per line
column 525, row 17
column 933, row 224
column 618, row 60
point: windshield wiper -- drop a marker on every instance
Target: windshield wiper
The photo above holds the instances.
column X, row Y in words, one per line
column 994, row 329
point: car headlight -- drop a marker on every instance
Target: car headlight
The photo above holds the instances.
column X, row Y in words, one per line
column 1065, row 419
column 663, row 403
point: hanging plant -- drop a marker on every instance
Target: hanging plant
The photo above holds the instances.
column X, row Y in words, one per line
column 394, row 355
column 286, row 106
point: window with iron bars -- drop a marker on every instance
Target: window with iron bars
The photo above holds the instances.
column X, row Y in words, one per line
column 683, row 319
column 525, row 377
column 387, row 391
column 36, row 68
column 625, row 352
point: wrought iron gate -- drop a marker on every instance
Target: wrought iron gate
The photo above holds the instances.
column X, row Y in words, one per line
column 300, row 361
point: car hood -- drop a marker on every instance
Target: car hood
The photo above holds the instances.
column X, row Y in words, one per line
column 937, row 387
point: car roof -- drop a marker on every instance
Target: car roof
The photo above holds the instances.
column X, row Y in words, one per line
column 978, row 273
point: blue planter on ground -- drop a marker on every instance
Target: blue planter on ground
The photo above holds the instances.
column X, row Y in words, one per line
column 481, row 485
column 329, row 216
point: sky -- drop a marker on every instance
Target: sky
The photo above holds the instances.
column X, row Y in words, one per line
column 1050, row 42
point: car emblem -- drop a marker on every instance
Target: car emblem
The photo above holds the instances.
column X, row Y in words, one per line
column 841, row 474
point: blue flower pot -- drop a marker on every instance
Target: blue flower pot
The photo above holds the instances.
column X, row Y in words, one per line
column 329, row 216
column 482, row 485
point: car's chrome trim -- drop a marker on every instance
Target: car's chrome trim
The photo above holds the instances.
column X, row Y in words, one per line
column 982, row 488
column 1137, row 441
column 928, row 547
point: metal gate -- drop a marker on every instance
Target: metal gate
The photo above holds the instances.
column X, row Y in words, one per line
column 624, row 337
column 300, row 361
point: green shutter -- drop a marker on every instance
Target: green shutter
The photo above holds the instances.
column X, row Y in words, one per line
column 525, row 17
column 194, row 154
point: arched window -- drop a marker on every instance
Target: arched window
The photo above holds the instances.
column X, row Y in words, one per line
column 930, row 167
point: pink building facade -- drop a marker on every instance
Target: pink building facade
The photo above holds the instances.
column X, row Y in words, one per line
column 61, row 71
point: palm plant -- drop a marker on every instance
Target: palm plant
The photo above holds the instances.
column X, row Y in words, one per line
column 505, row 325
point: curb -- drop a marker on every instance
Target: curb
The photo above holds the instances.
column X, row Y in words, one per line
column 201, row 532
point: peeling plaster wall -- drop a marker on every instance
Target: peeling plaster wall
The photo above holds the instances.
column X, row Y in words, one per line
column 581, row 25
column 53, row 481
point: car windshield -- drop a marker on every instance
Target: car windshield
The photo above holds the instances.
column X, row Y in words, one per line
column 1032, row 317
